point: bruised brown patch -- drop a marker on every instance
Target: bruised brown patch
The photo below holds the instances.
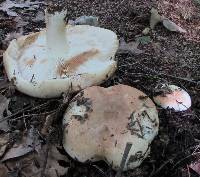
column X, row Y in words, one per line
column 42, row 46
column 30, row 62
column 75, row 62
column 30, row 39
column 43, row 61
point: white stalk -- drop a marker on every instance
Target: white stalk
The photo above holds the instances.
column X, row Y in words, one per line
column 56, row 40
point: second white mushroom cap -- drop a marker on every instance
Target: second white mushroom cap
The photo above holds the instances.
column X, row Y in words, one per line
column 101, row 121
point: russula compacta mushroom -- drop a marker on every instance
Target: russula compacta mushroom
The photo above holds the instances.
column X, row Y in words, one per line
column 47, row 63
column 99, row 122
column 173, row 97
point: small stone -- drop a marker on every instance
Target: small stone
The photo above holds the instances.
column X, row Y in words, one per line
column 146, row 31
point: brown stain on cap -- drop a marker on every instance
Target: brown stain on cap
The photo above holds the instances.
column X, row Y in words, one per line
column 30, row 62
column 73, row 63
column 30, row 39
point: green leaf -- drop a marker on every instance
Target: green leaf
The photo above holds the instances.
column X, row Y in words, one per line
column 198, row 1
column 143, row 39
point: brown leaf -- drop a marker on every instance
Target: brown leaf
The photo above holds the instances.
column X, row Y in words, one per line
column 8, row 6
column 48, row 123
column 53, row 168
column 10, row 36
column 1, row 53
column 3, row 171
column 171, row 26
column 26, row 165
column 3, row 106
column 17, row 150
column 155, row 18
column 196, row 167
column 39, row 16
column 20, row 23
column 28, row 144
column 33, row 164
column 129, row 47
column 4, row 139
column 5, row 84
column 85, row 20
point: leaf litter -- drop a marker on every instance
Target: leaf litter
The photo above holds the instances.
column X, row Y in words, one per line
column 128, row 21
column 56, row 163
column 4, row 102
column 168, row 24
column 130, row 47
column 8, row 6
column 28, row 143
column 85, row 20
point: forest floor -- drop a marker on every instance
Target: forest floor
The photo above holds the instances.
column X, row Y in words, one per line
column 30, row 133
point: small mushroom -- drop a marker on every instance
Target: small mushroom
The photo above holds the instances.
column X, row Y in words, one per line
column 47, row 63
column 173, row 97
column 99, row 122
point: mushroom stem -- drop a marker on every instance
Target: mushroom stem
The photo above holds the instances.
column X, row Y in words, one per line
column 56, row 34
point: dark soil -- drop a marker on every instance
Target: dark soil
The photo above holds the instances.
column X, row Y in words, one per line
column 168, row 57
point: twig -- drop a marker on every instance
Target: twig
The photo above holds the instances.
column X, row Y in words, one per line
column 46, row 158
column 188, row 170
column 163, row 74
column 187, row 157
column 99, row 170
column 160, row 168
column 31, row 115
column 14, row 114
column 22, row 110
column 168, row 75
column 124, row 158
column 48, row 123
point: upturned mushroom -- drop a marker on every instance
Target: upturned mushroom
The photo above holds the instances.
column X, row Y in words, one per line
column 173, row 97
column 100, row 122
column 47, row 63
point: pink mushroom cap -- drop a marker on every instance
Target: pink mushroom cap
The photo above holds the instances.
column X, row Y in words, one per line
column 175, row 98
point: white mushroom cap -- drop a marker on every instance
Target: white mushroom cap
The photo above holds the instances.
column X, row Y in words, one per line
column 99, row 122
column 47, row 63
column 173, row 97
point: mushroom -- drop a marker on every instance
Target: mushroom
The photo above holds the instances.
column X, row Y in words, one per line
column 47, row 63
column 173, row 97
column 99, row 122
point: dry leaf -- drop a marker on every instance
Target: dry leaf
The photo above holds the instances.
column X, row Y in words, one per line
column 8, row 5
column 196, row 167
column 54, row 161
column 26, row 165
column 4, row 84
column 155, row 18
column 129, row 47
column 40, row 16
column 28, row 144
column 3, row 106
column 171, row 26
column 4, row 139
column 3, row 171
column 146, row 31
column 10, row 36
column 1, row 53
column 48, row 124
column 85, row 20
column 20, row 23
column 33, row 164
